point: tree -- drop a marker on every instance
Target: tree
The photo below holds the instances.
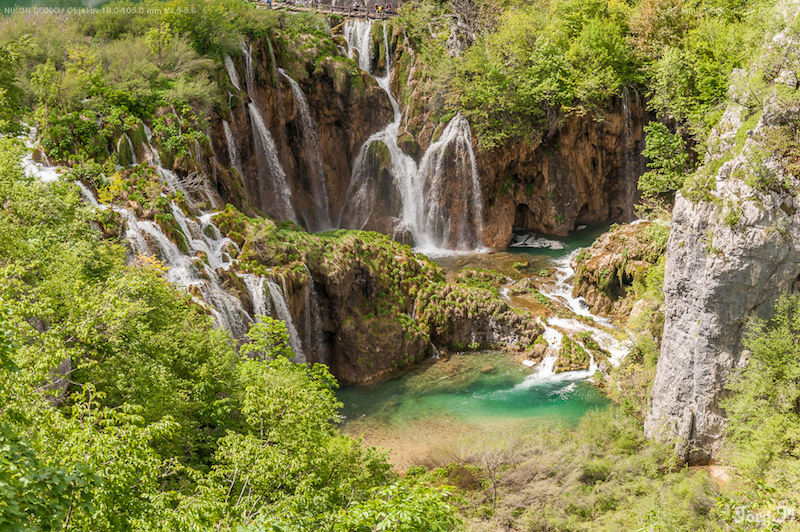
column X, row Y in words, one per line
column 669, row 161
column 9, row 92
column 764, row 410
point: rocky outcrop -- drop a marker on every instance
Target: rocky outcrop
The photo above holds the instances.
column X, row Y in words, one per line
column 605, row 272
column 734, row 249
column 365, row 305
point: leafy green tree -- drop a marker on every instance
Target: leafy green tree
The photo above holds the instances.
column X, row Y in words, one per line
column 9, row 91
column 669, row 161
column 764, row 410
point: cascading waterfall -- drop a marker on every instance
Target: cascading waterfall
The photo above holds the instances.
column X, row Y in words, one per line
column 432, row 175
column 357, row 32
column 321, row 217
column 231, row 68
column 561, row 292
column 249, row 72
column 269, row 150
column 274, row 171
column 233, row 153
column 421, row 188
column 283, row 313
column 125, row 138
column 184, row 271
column 256, row 290
column 171, row 179
column 155, row 158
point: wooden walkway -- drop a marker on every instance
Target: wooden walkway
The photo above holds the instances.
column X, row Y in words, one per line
column 327, row 9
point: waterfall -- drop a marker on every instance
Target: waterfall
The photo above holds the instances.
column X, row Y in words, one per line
column 171, row 179
column 561, row 292
column 270, row 152
column 184, row 270
column 233, row 153
column 231, row 68
column 250, row 76
column 255, row 289
column 311, row 149
column 422, row 188
column 282, row 310
column 125, row 137
column 155, row 158
column 441, row 229
column 358, row 32
column 87, row 193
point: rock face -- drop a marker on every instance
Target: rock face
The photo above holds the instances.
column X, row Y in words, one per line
column 584, row 173
column 710, row 293
column 732, row 252
column 344, row 108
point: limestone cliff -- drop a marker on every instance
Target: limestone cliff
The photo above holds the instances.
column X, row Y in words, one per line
column 733, row 250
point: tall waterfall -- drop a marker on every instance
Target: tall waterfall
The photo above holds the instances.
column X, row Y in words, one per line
column 249, row 71
column 280, row 188
column 438, row 213
column 320, row 220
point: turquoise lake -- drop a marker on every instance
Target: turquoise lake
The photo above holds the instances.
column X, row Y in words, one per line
column 428, row 411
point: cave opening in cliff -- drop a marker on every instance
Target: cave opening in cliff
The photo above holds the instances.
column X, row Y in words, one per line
column 524, row 217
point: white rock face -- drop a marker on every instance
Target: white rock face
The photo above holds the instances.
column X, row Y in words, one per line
column 716, row 279
column 720, row 273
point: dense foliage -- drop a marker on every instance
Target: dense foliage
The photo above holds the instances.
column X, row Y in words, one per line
column 529, row 65
column 122, row 408
column 764, row 411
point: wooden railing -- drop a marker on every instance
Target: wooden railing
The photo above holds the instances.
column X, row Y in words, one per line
column 327, row 9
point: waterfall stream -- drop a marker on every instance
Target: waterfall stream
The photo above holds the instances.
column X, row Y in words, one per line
column 233, row 153
column 231, row 68
column 277, row 295
column 320, row 220
column 280, row 188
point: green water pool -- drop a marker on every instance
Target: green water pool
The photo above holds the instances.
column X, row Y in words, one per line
column 463, row 396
